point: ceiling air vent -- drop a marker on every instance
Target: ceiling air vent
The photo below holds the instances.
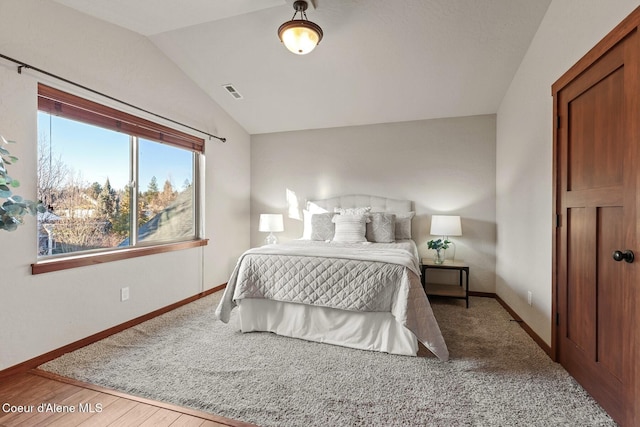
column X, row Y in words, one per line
column 232, row 91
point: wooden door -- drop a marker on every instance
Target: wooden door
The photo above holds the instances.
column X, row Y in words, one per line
column 596, row 178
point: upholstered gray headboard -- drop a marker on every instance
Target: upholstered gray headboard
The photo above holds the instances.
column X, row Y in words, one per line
column 378, row 204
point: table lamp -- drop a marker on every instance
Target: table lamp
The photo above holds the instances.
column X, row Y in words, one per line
column 271, row 223
column 445, row 226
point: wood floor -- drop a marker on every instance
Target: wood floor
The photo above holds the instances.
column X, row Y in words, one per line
column 50, row 400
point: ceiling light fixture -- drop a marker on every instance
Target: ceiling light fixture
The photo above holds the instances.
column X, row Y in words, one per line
column 300, row 36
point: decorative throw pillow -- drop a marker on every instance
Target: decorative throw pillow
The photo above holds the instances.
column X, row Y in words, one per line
column 350, row 228
column 382, row 228
column 306, row 221
column 403, row 225
column 321, row 226
column 306, row 225
column 352, row 211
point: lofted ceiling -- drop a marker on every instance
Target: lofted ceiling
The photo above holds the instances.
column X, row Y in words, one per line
column 379, row 61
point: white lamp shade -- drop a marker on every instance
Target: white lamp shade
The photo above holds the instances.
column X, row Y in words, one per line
column 446, row 225
column 271, row 223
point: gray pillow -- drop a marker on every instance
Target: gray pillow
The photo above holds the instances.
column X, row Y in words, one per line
column 321, row 226
column 382, row 228
column 403, row 225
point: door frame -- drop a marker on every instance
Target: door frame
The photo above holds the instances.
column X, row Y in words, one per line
column 630, row 24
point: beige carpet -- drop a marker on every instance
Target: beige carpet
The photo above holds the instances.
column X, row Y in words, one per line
column 497, row 375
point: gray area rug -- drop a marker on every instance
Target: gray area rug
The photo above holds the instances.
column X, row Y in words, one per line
column 497, row 375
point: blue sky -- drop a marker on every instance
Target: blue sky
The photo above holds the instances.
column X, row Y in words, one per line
column 97, row 154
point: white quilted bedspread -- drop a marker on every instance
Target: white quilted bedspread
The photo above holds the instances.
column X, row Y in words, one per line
column 338, row 283
column 355, row 277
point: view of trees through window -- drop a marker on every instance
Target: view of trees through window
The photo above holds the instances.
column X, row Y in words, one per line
column 88, row 179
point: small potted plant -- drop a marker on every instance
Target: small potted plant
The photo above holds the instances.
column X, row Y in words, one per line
column 439, row 246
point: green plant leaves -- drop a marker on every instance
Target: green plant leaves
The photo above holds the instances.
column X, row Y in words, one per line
column 15, row 207
column 14, row 210
column 35, row 208
column 8, row 226
column 438, row 244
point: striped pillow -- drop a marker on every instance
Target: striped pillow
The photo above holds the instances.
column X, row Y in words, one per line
column 350, row 228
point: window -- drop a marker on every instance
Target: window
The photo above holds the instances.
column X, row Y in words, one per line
column 94, row 164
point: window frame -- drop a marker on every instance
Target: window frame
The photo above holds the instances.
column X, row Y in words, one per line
column 59, row 103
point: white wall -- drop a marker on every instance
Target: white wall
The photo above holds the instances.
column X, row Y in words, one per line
column 443, row 166
column 44, row 312
column 569, row 29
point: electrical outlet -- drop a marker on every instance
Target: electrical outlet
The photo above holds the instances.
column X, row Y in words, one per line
column 124, row 294
column 529, row 295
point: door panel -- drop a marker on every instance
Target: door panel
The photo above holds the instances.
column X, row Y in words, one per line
column 595, row 154
column 596, row 176
column 581, row 308
column 610, row 286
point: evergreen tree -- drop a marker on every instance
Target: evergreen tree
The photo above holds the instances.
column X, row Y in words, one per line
column 122, row 219
column 94, row 191
column 151, row 196
column 152, row 188
column 108, row 202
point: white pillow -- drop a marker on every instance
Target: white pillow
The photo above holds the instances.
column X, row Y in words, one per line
column 306, row 224
column 403, row 225
column 350, row 228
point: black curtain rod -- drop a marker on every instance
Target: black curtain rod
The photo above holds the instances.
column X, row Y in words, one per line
column 22, row 65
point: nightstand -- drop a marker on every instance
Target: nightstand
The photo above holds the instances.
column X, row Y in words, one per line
column 460, row 291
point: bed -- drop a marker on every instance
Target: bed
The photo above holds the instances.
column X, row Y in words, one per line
column 351, row 280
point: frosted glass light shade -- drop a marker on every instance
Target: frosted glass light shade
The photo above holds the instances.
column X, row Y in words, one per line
column 446, row 225
column 300, row 36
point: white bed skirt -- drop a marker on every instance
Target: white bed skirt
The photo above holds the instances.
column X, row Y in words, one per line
column 377, row 331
